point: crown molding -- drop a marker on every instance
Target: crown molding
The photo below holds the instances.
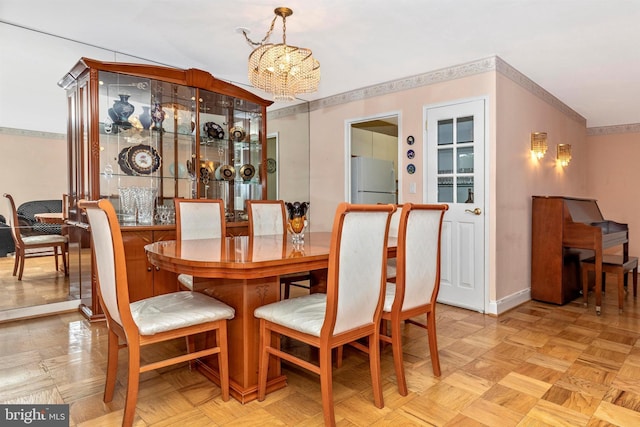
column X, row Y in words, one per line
column 32, row 133
column 288, row 111
column 493, row 63
column 525, row 82
column 612, row 130
column 438, row 76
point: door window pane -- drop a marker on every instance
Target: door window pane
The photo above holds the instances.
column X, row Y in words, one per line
column 464, row 191
column 445, row 190
column 465, row 160
column 445, row 132
column 445, row 161
column 464, row 129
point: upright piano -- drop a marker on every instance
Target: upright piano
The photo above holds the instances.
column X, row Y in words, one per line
column 564, row 231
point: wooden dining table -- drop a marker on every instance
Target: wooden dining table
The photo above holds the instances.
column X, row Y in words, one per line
column 244, row 273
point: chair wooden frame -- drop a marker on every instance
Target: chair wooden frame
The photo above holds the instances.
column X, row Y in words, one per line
column 328, row 340
column 114, row 298
column 21, row 243
column 287, row 280
column 398, row 314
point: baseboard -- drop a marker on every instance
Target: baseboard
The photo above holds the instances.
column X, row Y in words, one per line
column 511, row 301
column 39, row 310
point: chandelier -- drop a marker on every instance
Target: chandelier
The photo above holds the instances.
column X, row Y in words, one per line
column 281, row 69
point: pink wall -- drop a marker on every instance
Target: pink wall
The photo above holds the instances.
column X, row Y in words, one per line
column 613, row 178
column 327, row 181
column 520, row 112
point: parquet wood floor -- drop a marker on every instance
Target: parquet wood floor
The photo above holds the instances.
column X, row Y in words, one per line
column 40, row 284
column 537, row 365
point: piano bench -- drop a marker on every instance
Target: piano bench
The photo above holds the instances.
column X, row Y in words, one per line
column 611, row 264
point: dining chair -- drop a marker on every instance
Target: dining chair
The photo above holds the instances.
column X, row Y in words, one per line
column 350, row 309
column 23, row 243
column 198, row 219
column 415, row 290
column 267, row 217
column 151, row 320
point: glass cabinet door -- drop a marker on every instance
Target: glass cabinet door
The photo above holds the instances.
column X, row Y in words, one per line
column 230, row 152
column 147, row 134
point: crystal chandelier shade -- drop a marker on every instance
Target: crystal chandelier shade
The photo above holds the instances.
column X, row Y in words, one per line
column 281, row 69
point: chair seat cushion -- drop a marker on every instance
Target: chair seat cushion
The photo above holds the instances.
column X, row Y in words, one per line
column 176, row 310
column 186, row 280
column 305, row 314
column 44, row 239
column 389, row 297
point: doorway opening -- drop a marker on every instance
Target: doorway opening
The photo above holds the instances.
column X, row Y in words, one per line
column 372, row 160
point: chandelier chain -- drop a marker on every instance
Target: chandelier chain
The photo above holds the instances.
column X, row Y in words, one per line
column 265, row 38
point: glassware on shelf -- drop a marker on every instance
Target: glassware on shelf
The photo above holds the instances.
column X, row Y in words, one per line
column 145, row 200
column 127, row 205
column 165, row 214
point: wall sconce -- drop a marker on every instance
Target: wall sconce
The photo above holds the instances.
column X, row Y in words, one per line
column 538, row 144
column 564, row 154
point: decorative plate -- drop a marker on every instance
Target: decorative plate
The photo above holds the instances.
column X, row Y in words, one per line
column 411, row 154
column 411, row 169
column 271, row 165
column 213, row 130
column 410, row 140
column 247, row 172
column 237, row 133
column 143, row 159
column 122, row 161
column 225, row 172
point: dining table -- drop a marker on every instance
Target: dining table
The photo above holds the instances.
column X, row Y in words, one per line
column 244, row 272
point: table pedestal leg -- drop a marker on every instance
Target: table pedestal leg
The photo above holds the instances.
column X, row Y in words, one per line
column 244, row 295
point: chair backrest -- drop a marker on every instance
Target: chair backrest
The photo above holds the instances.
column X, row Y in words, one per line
column 419, row 241
column 14, row 223
column 110, row 262
column 199, row 219
column 266, row 217
column 357, row 267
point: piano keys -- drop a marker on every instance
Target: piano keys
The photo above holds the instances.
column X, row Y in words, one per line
column 564, row 231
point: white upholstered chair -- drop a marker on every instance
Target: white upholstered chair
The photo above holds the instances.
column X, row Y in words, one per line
column 417, row 282
column 58, row 243
column 350, row 309
column 151, row 320
column 268, row 217
column 198, row 219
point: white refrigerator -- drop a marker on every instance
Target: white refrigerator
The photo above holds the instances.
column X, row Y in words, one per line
column 372, row 181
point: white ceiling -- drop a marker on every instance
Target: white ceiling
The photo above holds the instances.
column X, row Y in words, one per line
column 585, row 52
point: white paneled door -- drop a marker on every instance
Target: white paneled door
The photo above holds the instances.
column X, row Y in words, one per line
column 455, row 144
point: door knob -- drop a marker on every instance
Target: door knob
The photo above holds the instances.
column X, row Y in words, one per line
column 476, row 211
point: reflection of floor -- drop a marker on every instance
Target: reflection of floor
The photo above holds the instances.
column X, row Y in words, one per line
column 538, row 364
column 40, row 283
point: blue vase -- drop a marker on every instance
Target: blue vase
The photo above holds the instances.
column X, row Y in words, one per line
column 121, row 111
column 145, row 118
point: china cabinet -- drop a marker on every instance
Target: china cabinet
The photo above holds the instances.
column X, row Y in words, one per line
column 141, row 135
